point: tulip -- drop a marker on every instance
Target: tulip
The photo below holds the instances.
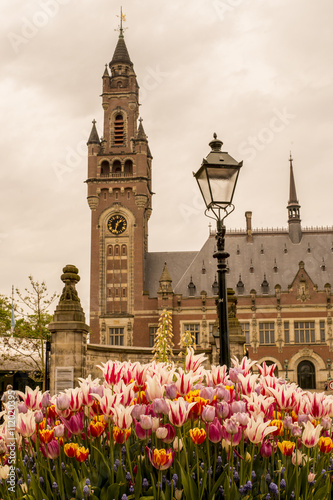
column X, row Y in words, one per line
column 52, row 449
column 288, row 422
column 46, row 435
column 140, row 432
column 298, row 458
column 311, row 434
column 146, row 422
column 138, row 410
column 39, row 417
column 326, row 423
column 81, row 454
column 26, row 424
column 4, row 471
column 208, row 414
column 257, row 429
column 325, row 444
column 208, row 393
column 193, row 362
column 223, row 409
column 296, row 430
column 22, row 407
column 160, row 406
column 184, row 382
column 233, row 374
column 120, row 435
column 238, row 407
column 76, row 398
column 311, row 477
column 241, row 418
column 122, row 416
column 154, row 389
column 231, row 426
column 70, row 449
column 96, row 428
column 59, row 430
column 179, row 411
column 222, row 394
column 266, row 449
column 62, row 402
column 286, row 448
column 215, row 431
column 197, row 435
column 31, row 398
column 177, row 444
column 46, row 400
column 171, row 391
column 161, row 433
column 160, row 459
column 112, row 371
column 170, row 434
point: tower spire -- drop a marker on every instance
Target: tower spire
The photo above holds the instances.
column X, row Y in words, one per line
column 294, row 220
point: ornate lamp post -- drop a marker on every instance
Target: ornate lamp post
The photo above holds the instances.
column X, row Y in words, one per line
column 217, row 178
column 329, row 364
column 286, row 365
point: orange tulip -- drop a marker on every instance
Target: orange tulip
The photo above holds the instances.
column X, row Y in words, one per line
column 70, row 449
column 286, row 448
column 118, row 435
column 81, row 454
column 197, row 435
column 325, row 444
column 46, row 435
column 96, row 428
column 279, row 425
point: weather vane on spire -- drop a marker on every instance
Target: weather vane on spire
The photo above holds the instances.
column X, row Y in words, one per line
column 122, row 18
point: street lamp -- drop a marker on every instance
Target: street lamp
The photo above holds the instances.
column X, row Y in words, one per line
column 286, row 365
column 217, row 178
column 329, row 364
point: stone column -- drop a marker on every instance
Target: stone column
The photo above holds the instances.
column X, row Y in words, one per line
column 68, row 336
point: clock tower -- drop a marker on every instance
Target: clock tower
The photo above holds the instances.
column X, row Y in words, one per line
column 119, row 196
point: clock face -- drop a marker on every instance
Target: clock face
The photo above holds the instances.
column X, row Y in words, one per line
column 117, row 224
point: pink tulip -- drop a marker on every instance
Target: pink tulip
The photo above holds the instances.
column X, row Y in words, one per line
column 170, row 434
column 46, row 400
column 160, row 406
column 233, row 374
column 59, row 430
column 257, row 429
column 208, row 413
column 266, row 449
column 62, row 402
column 146, row 422
column 208, row 393
column 215, row 431
column 218, row 375
column 108, row 401
column 311, row 435
column 22, row 407
column 171, row 391
column 140, row 432
column 177, row 444
column 223, row 410
column 238, row 407
column 247, row 383
column 39, row 417
column 315, row 405
column 51, row 450
column 245, row 364
column 242, row 418
column 75, row 398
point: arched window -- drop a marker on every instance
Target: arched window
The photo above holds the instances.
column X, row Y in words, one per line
column 128, row 168
column 116, row 168
column 105, row 169
column 116, row 250
column 306, row 375
column 123, row 250
column 119, row 129
column 110, row 250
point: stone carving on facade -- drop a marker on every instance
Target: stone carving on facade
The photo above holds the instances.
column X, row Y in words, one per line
column 303, row 292
column 129, row 333
column 103, row 333
column 70, row 278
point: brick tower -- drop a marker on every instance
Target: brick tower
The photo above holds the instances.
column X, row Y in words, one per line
column 119, row 196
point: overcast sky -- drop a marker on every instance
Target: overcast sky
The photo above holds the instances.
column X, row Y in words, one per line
column 259, row 73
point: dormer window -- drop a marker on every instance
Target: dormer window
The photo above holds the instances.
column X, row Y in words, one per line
column 265, row 285
column 191, row 288
column 240, row 286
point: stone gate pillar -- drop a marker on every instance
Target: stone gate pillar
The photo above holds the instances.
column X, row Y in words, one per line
column 68, row 336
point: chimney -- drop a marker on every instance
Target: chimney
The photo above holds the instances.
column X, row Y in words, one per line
column 249, row 237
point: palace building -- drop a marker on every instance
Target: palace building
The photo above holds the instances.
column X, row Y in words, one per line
column 282, row 278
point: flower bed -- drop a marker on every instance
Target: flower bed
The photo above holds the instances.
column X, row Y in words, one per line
column 158, row 431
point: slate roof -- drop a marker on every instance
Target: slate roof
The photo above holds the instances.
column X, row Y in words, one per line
column 268, row 249
column 121, row 54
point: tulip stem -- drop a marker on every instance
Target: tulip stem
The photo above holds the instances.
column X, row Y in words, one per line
column 198, row 475
column 128, row 458
column 208, row 458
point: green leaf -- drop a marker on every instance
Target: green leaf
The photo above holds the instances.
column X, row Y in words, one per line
column 190, row 488
column 104, row 470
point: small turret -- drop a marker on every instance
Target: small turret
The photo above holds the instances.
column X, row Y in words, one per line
column 294, row 220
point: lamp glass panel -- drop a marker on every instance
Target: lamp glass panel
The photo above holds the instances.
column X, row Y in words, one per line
column 222, row 183
column 204, row 186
